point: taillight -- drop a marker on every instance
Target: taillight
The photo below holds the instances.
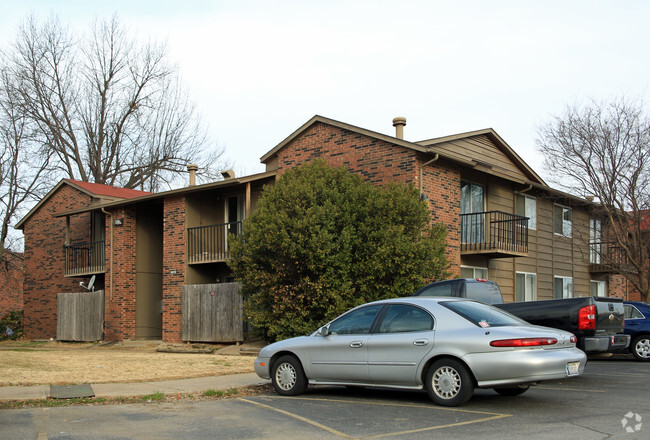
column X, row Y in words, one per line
column 574, row 339
column 587, row 318
column 523, row 342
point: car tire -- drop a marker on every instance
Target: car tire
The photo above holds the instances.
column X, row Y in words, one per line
column 449, row 383
column 512, row 391
column 640, row 348
column 288, row 377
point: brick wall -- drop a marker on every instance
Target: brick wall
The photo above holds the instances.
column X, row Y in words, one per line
column 120, row 296
column 44, row 259
column 620, row 287
column 174, row 256
column 381, row 162
column 441, row 184
column 377, row 161
column 11, row 283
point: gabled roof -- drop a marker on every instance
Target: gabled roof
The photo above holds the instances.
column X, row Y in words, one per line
column 104, row 193
column 148, row 197
column 97, row 189
column 433, row 146
column 452, row 145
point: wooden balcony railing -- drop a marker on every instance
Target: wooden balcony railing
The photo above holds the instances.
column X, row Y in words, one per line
column 494, row 233
column 84, row 258
column 209, row 244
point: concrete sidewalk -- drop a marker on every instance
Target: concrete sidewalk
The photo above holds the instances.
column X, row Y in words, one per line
column 194, row 385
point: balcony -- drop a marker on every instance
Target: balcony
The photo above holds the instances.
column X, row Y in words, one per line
column 495, row 234
column 83, row 259
column 209, row 244
column 607, row 257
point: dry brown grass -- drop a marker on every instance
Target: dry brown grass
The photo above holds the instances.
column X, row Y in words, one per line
column 54, row 363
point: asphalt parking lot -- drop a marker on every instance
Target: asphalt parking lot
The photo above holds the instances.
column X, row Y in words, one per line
column 611, row 400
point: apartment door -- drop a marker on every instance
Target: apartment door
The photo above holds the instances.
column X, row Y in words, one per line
column 234, row 214
column 472, row 206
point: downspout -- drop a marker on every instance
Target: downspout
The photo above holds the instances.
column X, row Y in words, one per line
column 526, row 189
column 110, row 258
column 436, row 157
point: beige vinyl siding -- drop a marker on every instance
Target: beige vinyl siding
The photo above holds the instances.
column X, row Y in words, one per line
column 482, row 150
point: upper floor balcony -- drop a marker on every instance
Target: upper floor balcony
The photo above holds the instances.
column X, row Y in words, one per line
column 210, row 244
column 495, row 234
column 83, row 259
column 607, row 257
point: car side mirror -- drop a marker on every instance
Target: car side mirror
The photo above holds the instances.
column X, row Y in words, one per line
column 324, row 330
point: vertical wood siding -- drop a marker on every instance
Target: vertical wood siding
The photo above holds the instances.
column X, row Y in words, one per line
column 212, row 313
column 80, row 316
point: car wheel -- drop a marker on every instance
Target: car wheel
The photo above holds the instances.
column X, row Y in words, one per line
column 640, row 348
column 449, row 383
column 288, row 377
column 513, row 391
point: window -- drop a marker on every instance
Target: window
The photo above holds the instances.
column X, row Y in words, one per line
column 595, row 241
column 526, row 206
column 483, row 315
column 562, row 220
column 598, row 288
column 357, row 322
column 474, row 272
column 402, row 318
column 563, row 287
column 472, row 201
column 526, row 286
column 443, row 289
column 632, row 312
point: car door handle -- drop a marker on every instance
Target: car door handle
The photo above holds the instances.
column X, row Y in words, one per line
column 421, row 342
column 356, row 344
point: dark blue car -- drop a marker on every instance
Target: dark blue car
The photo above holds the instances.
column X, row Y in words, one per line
column 637, row 325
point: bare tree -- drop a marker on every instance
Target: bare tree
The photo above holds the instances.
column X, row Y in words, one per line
column 603, row 150
column 108, row 109
column 23, row 172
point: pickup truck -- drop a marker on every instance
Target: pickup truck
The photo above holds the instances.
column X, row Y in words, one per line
column 598, row 323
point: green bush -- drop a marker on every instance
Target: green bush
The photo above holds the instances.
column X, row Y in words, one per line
column 323, row 240
column 11, row 326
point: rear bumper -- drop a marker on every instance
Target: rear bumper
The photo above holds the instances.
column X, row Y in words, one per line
column 605, row 344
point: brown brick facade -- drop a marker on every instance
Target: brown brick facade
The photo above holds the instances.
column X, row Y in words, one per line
column 44, row 259
column 11, row 282
column 174, row 258
column 120, row 296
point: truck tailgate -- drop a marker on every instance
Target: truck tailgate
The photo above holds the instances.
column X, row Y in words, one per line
column 611, row 315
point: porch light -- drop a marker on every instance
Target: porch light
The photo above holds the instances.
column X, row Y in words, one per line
column 118, row 221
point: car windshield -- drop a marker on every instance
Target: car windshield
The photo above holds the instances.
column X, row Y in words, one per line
column 483, row 315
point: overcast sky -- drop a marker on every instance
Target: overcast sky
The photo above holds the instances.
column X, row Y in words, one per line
column 260, row 69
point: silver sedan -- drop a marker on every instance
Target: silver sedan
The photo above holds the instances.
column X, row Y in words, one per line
column 448, row 346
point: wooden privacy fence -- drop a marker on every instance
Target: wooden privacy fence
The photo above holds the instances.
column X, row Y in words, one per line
column 80, row 316
column 212, row 313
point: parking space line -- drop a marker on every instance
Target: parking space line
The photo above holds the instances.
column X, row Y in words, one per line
column 302, row 419
column 408, row 405
column 432, row 428
column 491, row 416
column 543, row 387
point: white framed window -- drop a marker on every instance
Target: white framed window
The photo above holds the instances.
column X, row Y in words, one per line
column 563, row 287
column 526, row 206
column 598, row 288
column 474, row 272
column 525, row 286
column 562, row 220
